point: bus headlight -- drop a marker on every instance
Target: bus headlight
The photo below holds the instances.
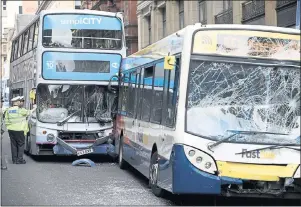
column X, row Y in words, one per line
column 50, row 137
column 200, row 159
column 297, row 173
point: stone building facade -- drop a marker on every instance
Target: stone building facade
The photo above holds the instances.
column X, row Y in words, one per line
column 129, row 8
column 159, row 18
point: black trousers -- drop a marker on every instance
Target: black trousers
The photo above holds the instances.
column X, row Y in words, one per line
column 17, row 142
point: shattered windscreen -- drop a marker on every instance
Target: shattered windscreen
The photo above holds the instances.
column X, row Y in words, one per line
column 241, row 96
column 78, row 103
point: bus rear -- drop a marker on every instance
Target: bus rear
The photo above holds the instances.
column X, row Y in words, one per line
column 78, row 53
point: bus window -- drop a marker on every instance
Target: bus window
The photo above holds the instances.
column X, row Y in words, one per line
column 169, row 99
column 25, row 42
column 30, row 39
column 20, row 46
column 131, row 95
column 147, row 93
column 125, row 92
column 16, row 49
column 61, row 30
column 156, row 114
column 36, row 33
column 139, row 95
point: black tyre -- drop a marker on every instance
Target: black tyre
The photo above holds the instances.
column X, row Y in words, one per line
column 154, row 175
column 121, row 162
column 27, row 148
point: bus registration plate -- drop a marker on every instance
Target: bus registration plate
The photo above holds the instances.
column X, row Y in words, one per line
column 83, row 152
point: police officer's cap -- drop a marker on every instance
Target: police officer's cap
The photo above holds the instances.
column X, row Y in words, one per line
column 15, row 99
column 21, row 98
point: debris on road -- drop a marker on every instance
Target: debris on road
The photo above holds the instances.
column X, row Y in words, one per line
column 83, row 162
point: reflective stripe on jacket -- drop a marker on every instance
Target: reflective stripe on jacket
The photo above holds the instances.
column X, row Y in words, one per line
column 15, row 118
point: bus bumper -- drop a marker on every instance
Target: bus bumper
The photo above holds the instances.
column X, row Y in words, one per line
column 187, row 179
column 63, row 148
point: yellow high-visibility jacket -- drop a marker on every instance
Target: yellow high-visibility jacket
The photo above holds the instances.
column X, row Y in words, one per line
column 15, row 119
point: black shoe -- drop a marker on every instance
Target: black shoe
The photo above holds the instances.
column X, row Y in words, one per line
column 3, row 168
column 21, row 162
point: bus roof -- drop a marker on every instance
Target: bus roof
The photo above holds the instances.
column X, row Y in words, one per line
column 173, row 44
column 85, row 11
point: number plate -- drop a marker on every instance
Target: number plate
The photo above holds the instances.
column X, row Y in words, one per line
column 83, row 152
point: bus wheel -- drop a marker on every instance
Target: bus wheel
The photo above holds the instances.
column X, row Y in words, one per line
column 27, row 148
column 121, row 162
column 154, row 176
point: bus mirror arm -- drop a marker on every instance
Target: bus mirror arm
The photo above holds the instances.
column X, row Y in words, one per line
column 112, row 90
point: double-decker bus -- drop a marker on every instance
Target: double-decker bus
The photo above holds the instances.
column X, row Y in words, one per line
column 62, row 63
column 214, row 109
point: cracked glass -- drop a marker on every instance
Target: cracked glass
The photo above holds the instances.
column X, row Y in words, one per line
column 85, row 104
column 239, row 96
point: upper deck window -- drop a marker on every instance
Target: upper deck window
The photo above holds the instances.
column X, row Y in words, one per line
column 82, row 31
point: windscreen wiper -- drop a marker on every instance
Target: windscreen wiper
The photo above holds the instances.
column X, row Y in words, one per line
column 279, row 146
column 60, row 123
column 235, row 132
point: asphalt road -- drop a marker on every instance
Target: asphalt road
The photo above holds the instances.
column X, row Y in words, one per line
column 54, row 181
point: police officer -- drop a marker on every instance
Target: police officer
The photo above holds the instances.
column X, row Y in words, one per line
column 3, row 164
column 16, row 124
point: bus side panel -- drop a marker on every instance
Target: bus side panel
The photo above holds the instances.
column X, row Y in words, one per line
column 124, row 125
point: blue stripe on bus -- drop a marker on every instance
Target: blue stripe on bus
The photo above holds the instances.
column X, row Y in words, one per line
column 49, row 69
column 159, row 82
column 81, row 21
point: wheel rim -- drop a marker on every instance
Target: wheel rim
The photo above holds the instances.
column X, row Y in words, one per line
column 154, row 173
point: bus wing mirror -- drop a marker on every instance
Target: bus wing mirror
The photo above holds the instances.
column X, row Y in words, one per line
column 169, row 62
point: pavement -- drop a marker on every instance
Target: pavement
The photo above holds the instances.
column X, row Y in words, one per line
column 54, row 181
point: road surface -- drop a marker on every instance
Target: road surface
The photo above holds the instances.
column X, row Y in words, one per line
column 54, row 181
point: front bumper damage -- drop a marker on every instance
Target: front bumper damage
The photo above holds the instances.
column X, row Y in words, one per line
column 100, row 146
column 285, row 188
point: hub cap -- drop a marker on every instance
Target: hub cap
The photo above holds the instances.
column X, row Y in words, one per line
column 154, row 174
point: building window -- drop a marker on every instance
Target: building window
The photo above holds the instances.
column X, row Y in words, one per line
column 20, row 10
column 181, row 13
column 4, row 48
column 202, row 11
column 227, row 4
column 164, row 21
column 4, row 5
column 149, row 30
column 77, row 4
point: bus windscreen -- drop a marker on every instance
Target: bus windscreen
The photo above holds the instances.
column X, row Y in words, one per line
column 82, row 31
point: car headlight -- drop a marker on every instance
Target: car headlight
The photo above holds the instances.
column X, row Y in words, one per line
column 50, row 137
column 297, row 173
column 200, row 159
